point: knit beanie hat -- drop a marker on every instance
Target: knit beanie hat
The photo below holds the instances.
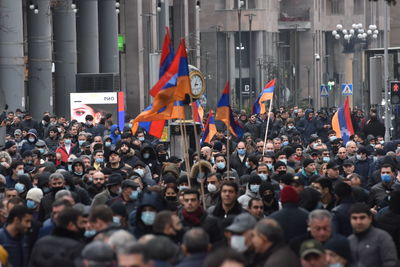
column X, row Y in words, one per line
column 289, row 195
column 307, row 162
column 340, row 245
column 35, row 194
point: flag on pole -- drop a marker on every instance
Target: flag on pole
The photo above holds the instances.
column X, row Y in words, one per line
column 210, row 129
column 155, row 128
column 172, row 86
column 224, row 113
column 198, row 112
column 341, row 122
column 266, row 94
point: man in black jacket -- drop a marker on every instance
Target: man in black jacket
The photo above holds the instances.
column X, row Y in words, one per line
column 63, row 244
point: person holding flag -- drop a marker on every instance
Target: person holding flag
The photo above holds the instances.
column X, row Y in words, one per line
column 341, row 122
column 210, row 129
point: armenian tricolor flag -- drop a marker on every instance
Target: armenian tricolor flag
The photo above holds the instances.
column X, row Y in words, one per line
column 210, row 130
column 198, row 112
column 224, row 113
column 266, row 94
column 341, row 122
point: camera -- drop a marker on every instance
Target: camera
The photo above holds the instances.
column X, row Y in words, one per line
column 317, row 57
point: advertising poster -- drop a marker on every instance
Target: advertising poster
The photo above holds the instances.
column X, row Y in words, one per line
column 98, row 105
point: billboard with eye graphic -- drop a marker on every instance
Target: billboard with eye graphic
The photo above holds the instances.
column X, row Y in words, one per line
column 98, row 105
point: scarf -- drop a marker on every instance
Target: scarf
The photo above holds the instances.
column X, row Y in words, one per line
column 193, row 217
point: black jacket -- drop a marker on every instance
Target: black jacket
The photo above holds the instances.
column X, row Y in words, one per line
column 60, row 245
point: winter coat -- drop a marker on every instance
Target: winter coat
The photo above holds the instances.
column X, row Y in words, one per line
column 101, row 198
column 193, row 260
column 341, row 218
column 292, row 219
column 64, row 153
column 52, row 144
column 114, row 138
column 373, row 248
column 362, row 168
column 60, row 245
column 281, row 255
column 289, row 132
column 152, row 161
column 17, row 248
column 244, row 199
column 253, row 128
column 129, row 157
column 390, row 222
column 237, row 164
column 308, row 127
column 374, row 127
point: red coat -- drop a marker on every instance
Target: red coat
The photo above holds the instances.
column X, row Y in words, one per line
column 64, row 154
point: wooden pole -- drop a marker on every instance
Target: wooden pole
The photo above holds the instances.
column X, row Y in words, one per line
column 266, row 130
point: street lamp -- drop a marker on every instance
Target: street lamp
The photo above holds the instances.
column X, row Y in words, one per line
column 250, row 16
column 356, row 34
column 239, row 11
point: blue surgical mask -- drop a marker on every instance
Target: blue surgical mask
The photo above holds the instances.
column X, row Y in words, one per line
column 67, row 141
column 134, row 195
column 107, row 144
column 89, row 233
column 263, row 176
column 254, row 188
column 358, row 157
column 284, row 161
column 70, row 167
column 241, row 151
column 375, row 158
column 183, row 187
column 81, row 142
column 212, row 161
column 30, row 204
column 386, row 178
column 332, row 138
column 140, row 172
column 326, row 159
column 46, row 190
column 247, row 165
column 78, row 173
column 336, row 265
column 41, row 150
column 221, row 165
column 141, row 139
column 20, row 172
column 270, row 166
column 285, row 143
column 19, row 187
column 117, row 220
column 146, row 155
column 99, row 160
column 148, row 217
column 290, row 126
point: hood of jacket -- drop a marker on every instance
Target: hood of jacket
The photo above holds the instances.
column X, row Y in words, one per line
column 201, row 166
column 148, row 149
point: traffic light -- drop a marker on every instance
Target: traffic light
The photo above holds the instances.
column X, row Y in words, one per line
column 395, row 92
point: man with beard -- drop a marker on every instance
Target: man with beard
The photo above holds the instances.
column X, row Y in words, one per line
column 127, row 154
column 57, row 183
column 97, row 185
column 11, row 148
column 168, row 224
column 64, row 242
column 113, row 189
column 128, row 197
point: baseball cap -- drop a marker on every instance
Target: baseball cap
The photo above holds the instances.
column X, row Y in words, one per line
column 347, row 162
column 311, row 246
column 242, row 223
column 332, row 165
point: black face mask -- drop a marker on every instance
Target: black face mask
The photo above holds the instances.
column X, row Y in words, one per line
column 56, row 189
column 171, row 198
column 268, row 198
column 280, row 173
column 162, row 157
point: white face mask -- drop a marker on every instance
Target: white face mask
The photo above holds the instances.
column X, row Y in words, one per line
column 211, row 188
column 238, row 243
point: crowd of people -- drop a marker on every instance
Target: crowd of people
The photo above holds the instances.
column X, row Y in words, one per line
column 91, row 194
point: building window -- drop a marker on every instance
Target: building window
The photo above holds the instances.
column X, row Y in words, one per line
column 220, row 4
column 359, row 7
column 335, row 7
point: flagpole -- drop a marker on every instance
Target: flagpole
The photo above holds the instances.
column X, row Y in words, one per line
column 194, row 126
column 228, row 153
column 266, row 130
column 185, row 147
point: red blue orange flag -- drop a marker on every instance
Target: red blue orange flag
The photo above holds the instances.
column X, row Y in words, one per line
column 224, row 113
column 266, row 94
column 210, row 129
column 171, row 87
column 156, row 127
column 198, row 112
column 341, row 122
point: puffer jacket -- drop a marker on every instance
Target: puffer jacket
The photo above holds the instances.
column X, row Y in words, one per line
column 244, row 199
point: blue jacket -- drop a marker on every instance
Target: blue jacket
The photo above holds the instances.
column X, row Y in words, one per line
column 195, row 260
column 17, row 248
column 114, row 138
column 308, row 127
column 47, row 228
column 362, row 168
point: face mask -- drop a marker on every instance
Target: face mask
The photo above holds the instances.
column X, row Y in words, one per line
column 241, row 152
column 270, row 166
column 285, row 143
column 254, row 188
column 290, row 127
column 148, row 217
column 200, row 176
column 67, row 141
column 247, row 164
column 30, row 204
column 263, row 176
column 41, row 150
column 386, row 178
column 269, row 151
column 134, row 195
column 81, row 142
column 140, row 172
column 146, row 155
column 119, row 191
column 315, row 146
column 130, row 125
column 382, row 142
column 336, row 265
column 89, row 233
column 284, row 161
column 212, row 161
column 117, row 220
column 332, row 138
column 31, row 139
column 221, row 165
column 99, row 160
column 268, row 198
column 211, row 188
column 326, row 159
column 183, row 187
column 69, row 168
column 375, row 158
column 46, row 190
column 238, row 244
column 170, row 198
column 141, row 139
column 20, row 172
column 90, row 179
column 19, row 187
column 107, row 144
column 78, row 173
column 358, row 157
